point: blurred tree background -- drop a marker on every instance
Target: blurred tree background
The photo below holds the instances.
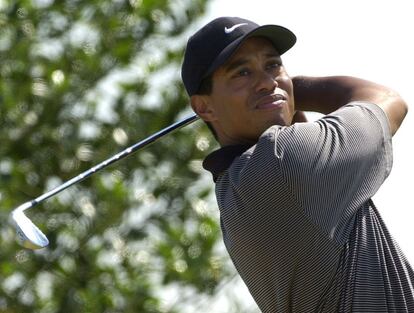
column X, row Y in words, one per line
column 79, row 82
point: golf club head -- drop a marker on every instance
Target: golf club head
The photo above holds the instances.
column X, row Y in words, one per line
column 28, row 235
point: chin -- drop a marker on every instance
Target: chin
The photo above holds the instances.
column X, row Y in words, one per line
column 278, row 121
column 267, row 126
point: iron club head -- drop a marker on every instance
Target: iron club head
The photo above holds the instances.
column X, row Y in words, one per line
column 28, row 234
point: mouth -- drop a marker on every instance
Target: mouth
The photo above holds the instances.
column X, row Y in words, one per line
column 273, row 101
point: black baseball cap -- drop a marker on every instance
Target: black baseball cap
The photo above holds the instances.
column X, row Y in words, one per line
column 213, row 45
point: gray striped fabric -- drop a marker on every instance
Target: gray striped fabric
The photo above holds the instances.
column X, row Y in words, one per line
column 298, row 220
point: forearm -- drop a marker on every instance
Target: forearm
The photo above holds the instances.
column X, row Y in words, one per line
column 327, row 94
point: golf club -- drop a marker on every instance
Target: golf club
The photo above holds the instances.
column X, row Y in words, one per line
column 30, row 236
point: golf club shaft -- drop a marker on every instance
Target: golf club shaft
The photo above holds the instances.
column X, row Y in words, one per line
column 116, row 157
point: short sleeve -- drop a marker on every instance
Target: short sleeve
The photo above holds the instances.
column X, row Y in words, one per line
column 334, row 165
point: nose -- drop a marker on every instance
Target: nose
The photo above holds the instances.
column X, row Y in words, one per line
column 266, row 81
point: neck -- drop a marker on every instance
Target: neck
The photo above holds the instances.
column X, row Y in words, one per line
column 228, row 141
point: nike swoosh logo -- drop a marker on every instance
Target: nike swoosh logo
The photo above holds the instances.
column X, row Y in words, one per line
column 231, row 29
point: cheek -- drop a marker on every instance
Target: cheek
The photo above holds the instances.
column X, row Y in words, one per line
column 285, row 82
column 229, row 100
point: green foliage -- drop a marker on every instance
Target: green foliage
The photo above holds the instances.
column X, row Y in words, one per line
column 80, row 81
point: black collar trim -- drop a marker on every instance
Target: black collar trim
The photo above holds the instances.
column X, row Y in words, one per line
column 221, row 159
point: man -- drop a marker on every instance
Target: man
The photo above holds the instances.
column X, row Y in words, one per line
column 294, row 196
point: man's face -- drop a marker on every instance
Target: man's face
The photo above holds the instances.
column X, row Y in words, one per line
column 251, row 92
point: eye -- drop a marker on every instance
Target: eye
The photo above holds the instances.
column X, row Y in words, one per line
column 242, row 72
column 274, row 65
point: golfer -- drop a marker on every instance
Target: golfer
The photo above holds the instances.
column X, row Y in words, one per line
column 295, row 196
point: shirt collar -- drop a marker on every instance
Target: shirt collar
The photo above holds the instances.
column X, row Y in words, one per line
column 221, row 159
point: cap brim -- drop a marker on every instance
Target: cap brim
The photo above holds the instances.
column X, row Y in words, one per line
column 282, row 39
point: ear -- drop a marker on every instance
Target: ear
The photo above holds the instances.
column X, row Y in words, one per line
column 203, row 108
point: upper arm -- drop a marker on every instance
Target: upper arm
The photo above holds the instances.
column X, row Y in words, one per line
column 334, row 165
column 388, row 100
column 325, row 169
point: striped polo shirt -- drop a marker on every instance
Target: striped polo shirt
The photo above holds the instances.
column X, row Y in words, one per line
column 298, row 221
